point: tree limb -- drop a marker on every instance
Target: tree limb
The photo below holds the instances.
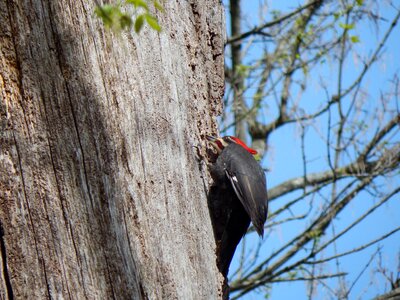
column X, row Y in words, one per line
column 259, row 29
column 389, row 160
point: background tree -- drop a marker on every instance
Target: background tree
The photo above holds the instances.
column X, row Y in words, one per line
column 101, row 193
column 306, row 85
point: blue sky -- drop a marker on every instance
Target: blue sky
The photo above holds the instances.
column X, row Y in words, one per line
column 284, row 161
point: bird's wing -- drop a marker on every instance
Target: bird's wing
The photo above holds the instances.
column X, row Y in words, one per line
column 248, row 181
column 247, row 196
column 236, row 186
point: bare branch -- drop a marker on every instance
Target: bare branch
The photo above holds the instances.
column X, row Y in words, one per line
column 259, row 29
column 392, row 295
column 388, row 161
column 258, row 130
column 361, row 272
column 319, row 225
column 362, row 152
column 379, row 136
column 374, row 55
column 362, row 217
column 326, row 276
column 358, row 249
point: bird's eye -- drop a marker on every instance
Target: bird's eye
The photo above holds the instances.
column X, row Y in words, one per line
column 228, row 139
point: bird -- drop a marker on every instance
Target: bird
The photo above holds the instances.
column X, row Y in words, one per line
column 237, row 196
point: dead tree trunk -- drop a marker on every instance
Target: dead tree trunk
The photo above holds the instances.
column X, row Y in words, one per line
column 101, row 193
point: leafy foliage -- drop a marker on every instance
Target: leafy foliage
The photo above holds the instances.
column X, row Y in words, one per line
column 116, row 19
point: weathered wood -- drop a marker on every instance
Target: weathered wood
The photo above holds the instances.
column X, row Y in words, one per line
column 101, row 193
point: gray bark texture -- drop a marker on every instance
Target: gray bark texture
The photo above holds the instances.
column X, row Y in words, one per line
column 102, row 195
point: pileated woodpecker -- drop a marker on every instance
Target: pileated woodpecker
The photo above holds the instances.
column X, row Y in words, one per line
column 238, row 196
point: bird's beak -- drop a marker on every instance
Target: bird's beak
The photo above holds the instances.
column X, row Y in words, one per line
column 211, row 138
column 214, row 141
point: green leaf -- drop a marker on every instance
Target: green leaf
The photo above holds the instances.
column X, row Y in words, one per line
column 113, row 17
column 242, row 70
column 292, row 274
column 360, row 2
column 106, row 13
column 139, row 3
column 158, row 6
column 346, row 26
column 275, row 14
column 305, row 69
column 125, row 21
column 258, row 96
column 354, row 39
column 152, row 21
column 314, row 234
column 139, row 23
column 103, row 10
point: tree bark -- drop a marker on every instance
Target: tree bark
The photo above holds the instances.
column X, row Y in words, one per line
column 101, row 192
column 237, row 77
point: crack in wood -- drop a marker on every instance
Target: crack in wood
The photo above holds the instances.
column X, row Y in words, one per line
column 3, row 254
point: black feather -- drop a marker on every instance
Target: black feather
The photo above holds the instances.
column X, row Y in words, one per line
column 248, row 181
column 238, row 195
